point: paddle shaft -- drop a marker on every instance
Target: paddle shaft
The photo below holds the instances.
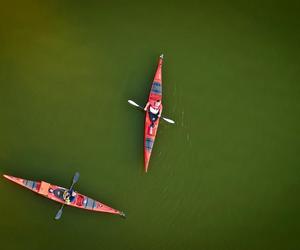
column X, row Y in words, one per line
column 60, row 211
column 138, row 106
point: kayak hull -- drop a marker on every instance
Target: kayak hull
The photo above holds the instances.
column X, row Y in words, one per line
column 55, row 193
column 155, row 94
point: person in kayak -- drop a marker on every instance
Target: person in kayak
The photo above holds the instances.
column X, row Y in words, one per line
column 69, row 196
column 155, row 111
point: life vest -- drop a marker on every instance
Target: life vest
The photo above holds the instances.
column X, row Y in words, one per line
column 68, row 197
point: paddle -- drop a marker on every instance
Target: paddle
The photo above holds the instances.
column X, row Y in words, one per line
column 60, row 211
column 138, row 106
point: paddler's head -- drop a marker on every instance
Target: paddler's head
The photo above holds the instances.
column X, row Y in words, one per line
column 157, row 103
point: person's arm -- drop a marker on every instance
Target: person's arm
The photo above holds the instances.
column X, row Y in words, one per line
column 147, row 105
column 160, row 111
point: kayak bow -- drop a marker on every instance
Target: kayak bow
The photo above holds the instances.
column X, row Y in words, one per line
column 55, row 193
column 155, row 94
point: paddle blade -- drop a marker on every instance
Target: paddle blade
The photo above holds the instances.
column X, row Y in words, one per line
column 133, row 103
column 76, row 177
column 168, row 120
column 59, row 213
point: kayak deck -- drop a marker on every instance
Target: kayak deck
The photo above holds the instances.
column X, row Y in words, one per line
column 55, row 193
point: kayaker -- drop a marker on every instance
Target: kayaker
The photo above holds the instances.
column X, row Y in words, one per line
column 155, row 110
column 69, row 196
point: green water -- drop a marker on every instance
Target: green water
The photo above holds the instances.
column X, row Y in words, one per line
column 226, row 176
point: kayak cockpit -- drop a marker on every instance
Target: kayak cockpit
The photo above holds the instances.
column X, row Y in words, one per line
column 59, row 193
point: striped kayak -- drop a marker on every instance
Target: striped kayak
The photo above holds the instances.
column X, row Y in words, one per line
column 55, row 193
column 155, row 93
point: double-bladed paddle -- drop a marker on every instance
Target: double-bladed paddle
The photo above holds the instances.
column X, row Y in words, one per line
column 60, row 211
column 138, row 106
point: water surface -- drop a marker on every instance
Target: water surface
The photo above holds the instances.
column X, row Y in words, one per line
column 226, row 176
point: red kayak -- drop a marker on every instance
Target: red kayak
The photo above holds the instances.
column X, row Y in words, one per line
column 150, row 134
column 56, row 193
